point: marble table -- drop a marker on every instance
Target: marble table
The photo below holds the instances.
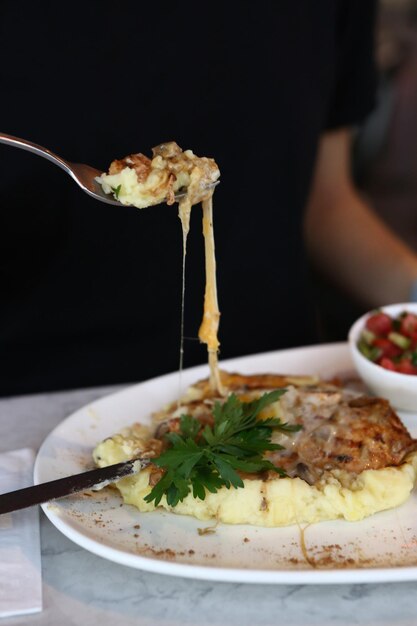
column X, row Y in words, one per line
column 81, row 588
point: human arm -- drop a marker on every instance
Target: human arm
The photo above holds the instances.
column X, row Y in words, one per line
column 346, row 239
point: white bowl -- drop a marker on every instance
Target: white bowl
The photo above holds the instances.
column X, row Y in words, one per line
column 399, row 389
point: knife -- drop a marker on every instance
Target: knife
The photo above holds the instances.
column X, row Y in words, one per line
column 94, row 479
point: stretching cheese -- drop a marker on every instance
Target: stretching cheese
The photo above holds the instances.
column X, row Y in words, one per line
column 139, row 181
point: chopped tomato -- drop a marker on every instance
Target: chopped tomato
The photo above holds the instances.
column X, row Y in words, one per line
column 405, row 366
column 409, row 325
column 387, row 347
column 379, row 324
column 386, row 363
column 391, row 342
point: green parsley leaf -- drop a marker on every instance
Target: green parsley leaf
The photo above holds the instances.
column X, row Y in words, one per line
column 116, row 191
column 200, row 460
column 189, row 426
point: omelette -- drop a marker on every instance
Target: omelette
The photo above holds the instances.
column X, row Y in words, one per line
column 350, row 458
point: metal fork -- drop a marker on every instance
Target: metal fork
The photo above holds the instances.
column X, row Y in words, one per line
column 84, row 175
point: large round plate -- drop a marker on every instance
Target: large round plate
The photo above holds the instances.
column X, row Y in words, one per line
column 380, row 548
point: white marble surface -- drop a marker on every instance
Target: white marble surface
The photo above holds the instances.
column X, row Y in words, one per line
column 80, row 588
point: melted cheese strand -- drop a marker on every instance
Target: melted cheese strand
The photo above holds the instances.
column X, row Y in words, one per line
column 211, row 316
column 184, row 212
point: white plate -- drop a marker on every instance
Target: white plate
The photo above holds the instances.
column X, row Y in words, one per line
column 380, row 548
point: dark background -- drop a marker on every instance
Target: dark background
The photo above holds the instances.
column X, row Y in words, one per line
column 90, row 294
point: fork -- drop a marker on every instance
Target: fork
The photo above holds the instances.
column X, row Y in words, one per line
column 84, row 175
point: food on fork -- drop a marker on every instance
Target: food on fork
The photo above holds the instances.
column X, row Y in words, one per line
column 277, row 450
column 140, row 181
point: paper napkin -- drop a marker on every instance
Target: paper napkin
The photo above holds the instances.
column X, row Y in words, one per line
column 20, row 554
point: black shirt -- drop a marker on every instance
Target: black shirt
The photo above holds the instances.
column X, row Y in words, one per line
column 90, row 294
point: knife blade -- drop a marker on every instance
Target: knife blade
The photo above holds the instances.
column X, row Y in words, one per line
column 93, row 479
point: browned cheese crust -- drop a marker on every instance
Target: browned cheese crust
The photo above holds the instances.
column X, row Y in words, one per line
column 340, row 430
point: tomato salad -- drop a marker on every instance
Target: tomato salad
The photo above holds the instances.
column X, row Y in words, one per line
column 391, row 342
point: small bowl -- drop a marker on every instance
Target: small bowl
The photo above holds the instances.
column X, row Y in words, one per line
column 399, row 389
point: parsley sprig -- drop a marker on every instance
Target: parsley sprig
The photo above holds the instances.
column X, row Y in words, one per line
column 208, row 459
column 116, row 191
